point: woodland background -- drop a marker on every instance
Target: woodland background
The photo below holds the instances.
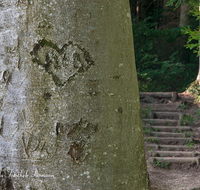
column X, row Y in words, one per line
column 166, row 37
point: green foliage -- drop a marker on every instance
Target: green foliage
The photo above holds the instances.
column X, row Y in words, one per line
column 187, row 120
column 194, row 35
column 176, row 131
column 197, row 112
column 146, row 112
column 195, row 90
column 193, row 39
column 161, row 163
column 194, row 8
column 188, row 134
column 156, row 140
column 159, row 67
column 146, row 130
column 183, row 105
column 175, row 3
column 192, row 164
column 152, row 140
column 189, row 143
column 169, row 124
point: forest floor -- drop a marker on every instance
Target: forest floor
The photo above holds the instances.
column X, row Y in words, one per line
column 176, row 176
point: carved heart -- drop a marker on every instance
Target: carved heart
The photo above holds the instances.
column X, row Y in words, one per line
column 62, row 64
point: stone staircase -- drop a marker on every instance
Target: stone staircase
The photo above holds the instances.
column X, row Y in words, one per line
column 167, row 139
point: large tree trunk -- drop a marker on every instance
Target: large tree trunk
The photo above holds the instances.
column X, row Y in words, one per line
column 70, row 113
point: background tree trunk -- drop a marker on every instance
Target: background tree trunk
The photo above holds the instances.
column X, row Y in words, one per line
column 164, row 15
column 184, row 10
column 198, row 76
column 183, row 21
column 70, row 113
column 133, row 7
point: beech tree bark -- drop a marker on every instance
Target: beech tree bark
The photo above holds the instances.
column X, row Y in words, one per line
column 70, row 113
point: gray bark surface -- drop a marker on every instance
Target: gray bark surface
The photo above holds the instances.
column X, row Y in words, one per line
column 184, row 10
column 198, row 76
column 69, row 104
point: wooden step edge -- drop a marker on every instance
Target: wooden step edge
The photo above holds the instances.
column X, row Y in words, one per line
column 159, row 135
column 156, row 94
column 161, row 120
column 171, row 122
column 179, row 126
column 168, row 108
column 169, row 146
column 168, row 128
column 175, row 159
column 169, row 138
column 175, row 153
column 166, row 133
column 167, row 113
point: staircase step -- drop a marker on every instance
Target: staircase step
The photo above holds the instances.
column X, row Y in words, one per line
column 170, row 128
column 175, row 153
column 167, row 139
column 165, row 115
column 161, row 121
column 156, row 94
column 175, row 159
column 170, row 146
column 166, row 134
column 160, row 107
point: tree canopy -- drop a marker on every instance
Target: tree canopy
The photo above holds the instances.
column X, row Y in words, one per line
column 165, row 60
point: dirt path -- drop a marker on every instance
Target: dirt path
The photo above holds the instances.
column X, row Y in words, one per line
column 174, row 179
